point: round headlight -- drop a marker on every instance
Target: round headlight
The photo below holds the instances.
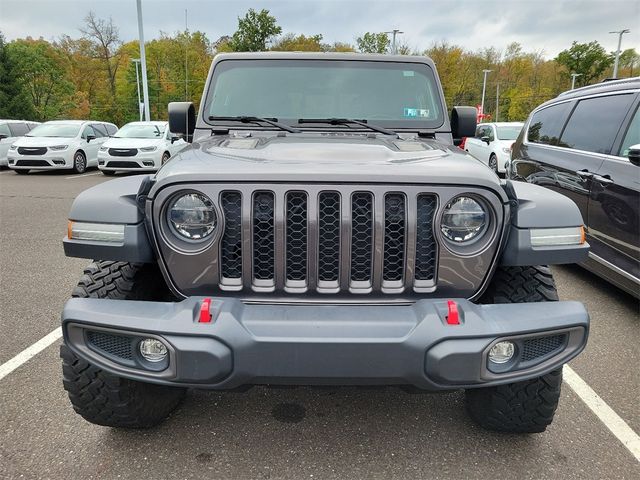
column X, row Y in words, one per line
column 192, row 216
column 464, row 219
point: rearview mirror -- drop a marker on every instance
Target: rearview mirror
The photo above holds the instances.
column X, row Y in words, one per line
column 182, row 119
column 463, row 123
column 90, row 137
column 634, row 154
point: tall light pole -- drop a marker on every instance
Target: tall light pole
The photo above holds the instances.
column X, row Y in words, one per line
column 393, row 41
column 615, row 65
column 573, row 79
column 143, row 63
column 137, row 61
column 484, row 88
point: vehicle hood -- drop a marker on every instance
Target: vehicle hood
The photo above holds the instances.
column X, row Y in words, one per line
column 133, row 142
column 43, row 141
column 317, row 158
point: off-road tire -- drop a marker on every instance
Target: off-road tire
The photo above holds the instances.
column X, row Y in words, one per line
column 96, row 395
column 520, row 407
column 21, row 172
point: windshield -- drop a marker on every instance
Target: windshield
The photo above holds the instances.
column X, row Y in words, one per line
column 390, row 94
column 510, row 132
column 65, row 130
column 133, row 130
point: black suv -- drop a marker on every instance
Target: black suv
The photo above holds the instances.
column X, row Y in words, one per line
column 580, row 144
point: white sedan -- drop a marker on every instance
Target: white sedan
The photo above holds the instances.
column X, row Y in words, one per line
column 492, row 143
column 138, row 147
column 59, row 144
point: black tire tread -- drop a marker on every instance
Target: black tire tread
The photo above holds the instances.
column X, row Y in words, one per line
column 521, row 284
column 521, row 407
column 527, row 406
column 96, row 395
column 112, row 401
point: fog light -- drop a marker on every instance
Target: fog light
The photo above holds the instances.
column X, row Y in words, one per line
column 153, row 350
column 502, row 352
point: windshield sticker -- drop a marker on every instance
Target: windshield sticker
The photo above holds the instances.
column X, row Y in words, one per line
column 408, row 73
column 416, row 112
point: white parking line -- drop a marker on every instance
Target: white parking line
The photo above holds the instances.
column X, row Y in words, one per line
column 29, row 352
column 597, row 405
column 84, row 175
column 604, row 412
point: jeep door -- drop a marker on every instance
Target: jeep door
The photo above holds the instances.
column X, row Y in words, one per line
column 614, row 205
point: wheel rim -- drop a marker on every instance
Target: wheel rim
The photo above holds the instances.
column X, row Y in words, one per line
column 493, row 164
column 79, row 162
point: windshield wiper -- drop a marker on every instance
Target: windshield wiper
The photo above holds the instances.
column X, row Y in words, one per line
column 247, row 119
column 345, row 121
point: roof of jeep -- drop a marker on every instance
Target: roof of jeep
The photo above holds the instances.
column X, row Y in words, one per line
column 368, row 57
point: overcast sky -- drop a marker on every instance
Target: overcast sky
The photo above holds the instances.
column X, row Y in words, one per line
column 548, row 25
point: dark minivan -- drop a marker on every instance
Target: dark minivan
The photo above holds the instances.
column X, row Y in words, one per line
column 580, row 144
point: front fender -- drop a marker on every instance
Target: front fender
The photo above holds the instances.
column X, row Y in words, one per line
column 533, row 208
column 115, row 203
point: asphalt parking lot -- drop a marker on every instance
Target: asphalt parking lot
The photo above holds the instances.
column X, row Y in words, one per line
column 283, row 433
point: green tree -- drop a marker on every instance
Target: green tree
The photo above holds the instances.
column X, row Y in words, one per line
column 14, row 100
column 299, row 43
column 44, row 70
column 373, row 42
column 590, row 60
column 629, row 61
column 254, row 30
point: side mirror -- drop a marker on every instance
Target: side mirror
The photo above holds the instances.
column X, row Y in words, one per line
column 463, row 122
column 90, row 137
column 182, row 119
column 174, row 138
column 634, row 154
column 486, row 139
column 3, row 136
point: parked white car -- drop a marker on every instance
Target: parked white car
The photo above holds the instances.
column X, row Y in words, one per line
column 492, row 143
column 60, row 144
column 139, row 146
column 10, row 131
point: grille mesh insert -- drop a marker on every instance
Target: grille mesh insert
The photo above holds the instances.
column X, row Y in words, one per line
column 361, row 236
column 296, row 257
column 117, row 345
column 329, row 236
column 394, row 237
column 538, row 347
column 425, row 240
column 231, row 242
column 263, row 236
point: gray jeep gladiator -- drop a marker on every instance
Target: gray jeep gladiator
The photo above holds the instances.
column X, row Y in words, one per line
column 321, row 228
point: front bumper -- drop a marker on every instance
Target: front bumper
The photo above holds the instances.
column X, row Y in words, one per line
column 141, row 162
column 52, row 160
column 307, row 344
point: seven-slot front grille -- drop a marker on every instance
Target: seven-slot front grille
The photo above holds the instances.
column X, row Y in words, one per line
column 328, row 241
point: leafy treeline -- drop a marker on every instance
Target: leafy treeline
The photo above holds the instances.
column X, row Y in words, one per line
column 93, row 75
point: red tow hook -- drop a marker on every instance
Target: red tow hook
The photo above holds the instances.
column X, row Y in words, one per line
column 452, row 318
column 205, row 314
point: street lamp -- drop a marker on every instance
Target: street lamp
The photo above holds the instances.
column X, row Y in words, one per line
column 143, row 64
column 573, row 79
column 615, row 65
column 393, row 41
column 484, row 87
column 137, row 61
